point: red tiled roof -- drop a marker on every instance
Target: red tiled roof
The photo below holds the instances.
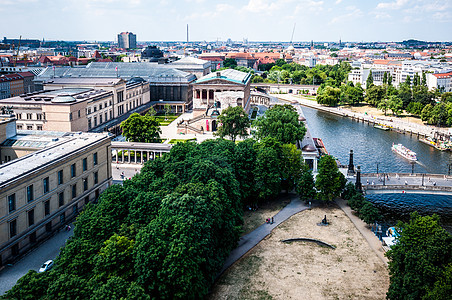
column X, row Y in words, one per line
column 443, row 75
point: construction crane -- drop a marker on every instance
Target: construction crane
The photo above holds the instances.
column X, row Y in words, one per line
column 293, row 31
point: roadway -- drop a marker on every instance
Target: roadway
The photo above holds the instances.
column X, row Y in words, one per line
column 33, row 260
column 401, row 183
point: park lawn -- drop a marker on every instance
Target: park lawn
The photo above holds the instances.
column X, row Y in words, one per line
column 163, row 122
column 307, row 97
column 175, row 141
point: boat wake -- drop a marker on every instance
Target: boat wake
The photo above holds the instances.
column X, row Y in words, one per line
column 422, row 165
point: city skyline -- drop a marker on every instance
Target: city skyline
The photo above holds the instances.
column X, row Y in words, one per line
column 256, row 20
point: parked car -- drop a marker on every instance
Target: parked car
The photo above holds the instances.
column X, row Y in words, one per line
column 46, row 266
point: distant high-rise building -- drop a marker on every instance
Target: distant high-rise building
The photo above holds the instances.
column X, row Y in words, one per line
column 127, row 40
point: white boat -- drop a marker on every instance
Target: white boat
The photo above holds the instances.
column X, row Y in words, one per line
column 404, row 152
column 391, row 237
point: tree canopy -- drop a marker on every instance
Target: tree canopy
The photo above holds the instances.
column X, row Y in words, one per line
column 420, row 261
column 330, row 181
column 280, row 122
column 143, row 129
column 234, row 122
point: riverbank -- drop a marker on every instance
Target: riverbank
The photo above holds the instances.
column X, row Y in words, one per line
column 404, row 125
column 276, row 270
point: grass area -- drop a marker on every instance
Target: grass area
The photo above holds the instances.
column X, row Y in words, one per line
column 254, row 219
column 307, row 97
column 165, row 121
column 175, row 141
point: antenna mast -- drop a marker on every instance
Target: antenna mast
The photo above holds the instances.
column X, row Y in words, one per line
column 187, row 34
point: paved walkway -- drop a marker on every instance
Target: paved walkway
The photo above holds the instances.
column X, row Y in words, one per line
column 371, row 238
column 248, row 241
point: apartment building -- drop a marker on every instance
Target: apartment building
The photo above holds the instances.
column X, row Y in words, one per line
column 46, row 178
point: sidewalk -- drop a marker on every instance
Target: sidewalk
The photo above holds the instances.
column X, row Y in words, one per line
column 248, row 241
column 371, row 238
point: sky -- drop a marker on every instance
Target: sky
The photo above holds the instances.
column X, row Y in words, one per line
column 210, row 20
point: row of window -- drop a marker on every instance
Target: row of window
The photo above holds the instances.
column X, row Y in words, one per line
column 28, row 127
column 93, row 122
column 29, row 116
column 46, row 183
column 61, row 200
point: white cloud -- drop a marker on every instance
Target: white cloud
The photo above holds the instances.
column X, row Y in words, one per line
column 354, row 13
column 338, row 1
column 261, row 6
column 309, row 5
column 392, row 5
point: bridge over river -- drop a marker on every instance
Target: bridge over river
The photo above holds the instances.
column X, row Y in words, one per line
column 416, row 183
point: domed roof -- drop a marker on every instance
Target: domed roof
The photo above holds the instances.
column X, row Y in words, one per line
column 309, row 148
column 290, row 48
column 63, row 99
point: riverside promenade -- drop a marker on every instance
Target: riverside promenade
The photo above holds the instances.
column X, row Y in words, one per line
column 394, row 123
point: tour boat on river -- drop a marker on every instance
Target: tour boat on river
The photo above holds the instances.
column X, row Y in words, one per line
column 404, row 152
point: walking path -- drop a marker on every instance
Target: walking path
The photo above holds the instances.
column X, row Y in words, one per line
column 371, row 238
column 248, row 241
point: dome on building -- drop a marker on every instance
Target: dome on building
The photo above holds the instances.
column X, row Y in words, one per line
column 290, row 48
column 309, row 148
column 152, row 53
column 63, row 99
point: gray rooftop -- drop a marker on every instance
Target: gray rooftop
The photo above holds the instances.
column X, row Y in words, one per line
column 228, row 75
column 56, row 146
column 151, row 72
column 59, row 96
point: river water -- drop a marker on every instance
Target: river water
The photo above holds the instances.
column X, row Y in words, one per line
column 372, row 147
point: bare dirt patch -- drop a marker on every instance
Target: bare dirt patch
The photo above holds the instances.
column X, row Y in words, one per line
column 372, row 111
column 304, row 270
column 255, row 218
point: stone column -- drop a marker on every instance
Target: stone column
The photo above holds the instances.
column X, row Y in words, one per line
column 358, row 184
column 122, row 154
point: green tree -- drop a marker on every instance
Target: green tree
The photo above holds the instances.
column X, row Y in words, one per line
column 385, row 78
column 329, row 96
column 143, row 129
column 383, row 105
column 280, row 122
column 419, row 258
column 330, row 181
column 369, row 213
column 268, row 171
column 234, row 123
column 395, row 104
column 375, row 94
column 369, row 80
column 291, row 166
column 167, row 109
column 230, row 63
column 306, row 185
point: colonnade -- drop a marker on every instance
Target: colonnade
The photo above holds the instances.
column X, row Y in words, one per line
column 135, row 156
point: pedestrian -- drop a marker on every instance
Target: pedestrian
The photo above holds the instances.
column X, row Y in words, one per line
column 406, row 183
column 272, row 220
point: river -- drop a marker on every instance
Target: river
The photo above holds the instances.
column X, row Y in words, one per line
column 372, row 148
